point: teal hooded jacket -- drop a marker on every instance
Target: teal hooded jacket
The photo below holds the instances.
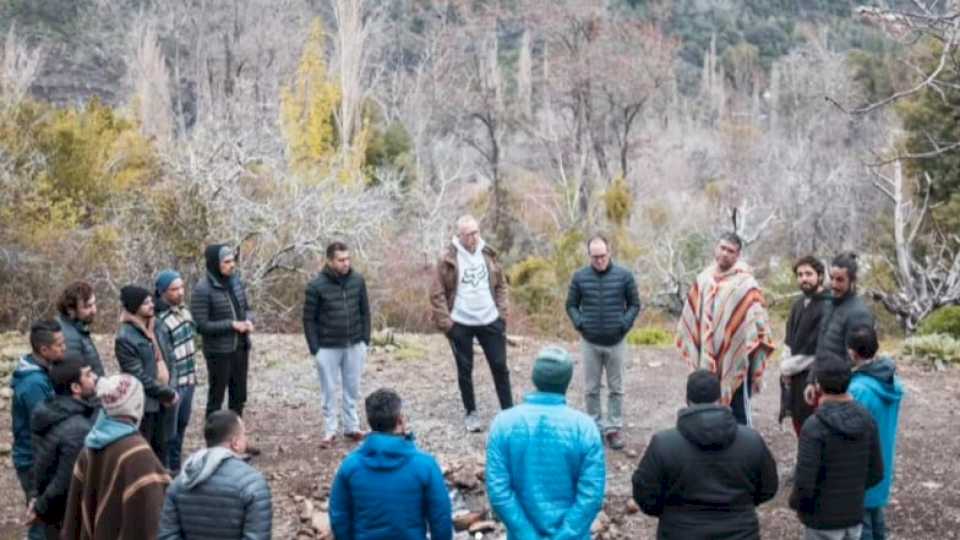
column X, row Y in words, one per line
column 876, row 386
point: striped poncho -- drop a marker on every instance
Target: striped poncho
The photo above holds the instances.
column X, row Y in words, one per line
column 724, row 327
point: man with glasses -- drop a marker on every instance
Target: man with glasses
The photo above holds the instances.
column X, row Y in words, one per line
column 603, row 304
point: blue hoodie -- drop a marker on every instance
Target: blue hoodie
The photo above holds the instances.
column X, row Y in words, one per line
column 389, row 490
column 31, row 386
column 106, row 431
column 876, row 386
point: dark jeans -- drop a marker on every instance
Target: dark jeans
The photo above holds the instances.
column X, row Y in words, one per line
column 39, row 530
column 739, row 404
column 227, row 371
column 178, row 418
column 874, row 524
column 493, row 341
column 154, row 427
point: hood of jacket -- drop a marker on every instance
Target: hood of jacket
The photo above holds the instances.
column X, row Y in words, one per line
column 202, row 464
column 54, row 411
column 383, row 451
column 882, row 371
column 212, row 257
column 106, row 431
column 27, row 367
column 846, row 419
column 709, row 426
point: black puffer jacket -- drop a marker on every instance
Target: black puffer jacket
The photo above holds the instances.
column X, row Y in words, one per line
column 336, row 311
column 59, row 426
column 838, row 459
column 603, row 305
column 214, row 311
column 217, row 497
column 135, row 355
column 705, row 478
column 79, row 344
column 840, row 317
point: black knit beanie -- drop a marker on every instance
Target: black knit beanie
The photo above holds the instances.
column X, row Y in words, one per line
column 132, row 297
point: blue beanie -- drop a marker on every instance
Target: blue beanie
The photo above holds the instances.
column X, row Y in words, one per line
column 164, row 279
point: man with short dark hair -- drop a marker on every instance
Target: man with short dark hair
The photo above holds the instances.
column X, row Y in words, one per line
column 724, row 327
column 59, row 426
column 218, row 495
column 838, row 458
column 875, row 385
column 841, row 314
column 116, row 492
column 545, row 469
column 225, row 321
column 602, row 303
column 139, row 354
column 77, row 309
column 388, row 489
column 469, row 300
column 175, row 331
column 336, row 321
column 705, row 478
column 803, row 327
column 31, row 386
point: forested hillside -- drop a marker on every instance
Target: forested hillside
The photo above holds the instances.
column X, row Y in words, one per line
column 134, row 132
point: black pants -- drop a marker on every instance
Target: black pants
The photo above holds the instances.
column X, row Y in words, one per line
column 493, row 341
column 154, row 429
column 227, row 371
column 737, row 403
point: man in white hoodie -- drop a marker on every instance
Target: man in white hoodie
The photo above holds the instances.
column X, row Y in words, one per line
column 217, row 494
column 469, row 299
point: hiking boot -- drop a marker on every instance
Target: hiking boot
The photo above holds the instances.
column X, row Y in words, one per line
column 615, row 440
column 327, row 441
column 253, row 450
column 473, row 423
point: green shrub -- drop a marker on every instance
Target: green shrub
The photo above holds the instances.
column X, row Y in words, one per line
column 945, row 320
column 933, row 347
column 649, row 336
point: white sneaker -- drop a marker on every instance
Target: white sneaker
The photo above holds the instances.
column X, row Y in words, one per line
column 473, row 423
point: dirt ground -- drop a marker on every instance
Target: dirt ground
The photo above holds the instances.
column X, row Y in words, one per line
column 284, row 419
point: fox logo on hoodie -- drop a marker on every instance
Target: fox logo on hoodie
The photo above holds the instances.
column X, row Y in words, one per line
column 474, row 276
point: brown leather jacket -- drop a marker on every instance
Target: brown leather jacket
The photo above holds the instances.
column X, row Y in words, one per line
column 443, row 292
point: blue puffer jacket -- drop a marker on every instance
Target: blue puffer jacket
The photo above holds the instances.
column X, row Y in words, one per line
column 217, row 497
column 545, row 469
column 31, row 386
column 389, row 490
column 876, row 386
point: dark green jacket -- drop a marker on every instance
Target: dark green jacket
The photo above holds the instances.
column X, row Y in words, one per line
column 336, row 311
column 603, row 305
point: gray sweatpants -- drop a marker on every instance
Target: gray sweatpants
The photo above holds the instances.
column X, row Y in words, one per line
column 850, row 533
column 596, row 359
column 343, row 365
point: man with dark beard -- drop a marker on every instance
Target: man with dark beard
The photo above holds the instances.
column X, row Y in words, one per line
column 803, row 326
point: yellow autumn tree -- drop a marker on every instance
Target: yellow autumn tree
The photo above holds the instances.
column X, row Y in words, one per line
column 307, row 109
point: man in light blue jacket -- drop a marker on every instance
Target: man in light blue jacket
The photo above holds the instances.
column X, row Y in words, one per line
column 545, row 468
column 875, row 385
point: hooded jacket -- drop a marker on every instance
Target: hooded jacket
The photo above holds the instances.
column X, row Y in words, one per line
column 216, row 303
column 336, row 310
column 31, row 386
column 117, row 487
column 705, row 478
column 59, row 427
column 76, row 336
column 603, row 305
column 839, row 439
column 217, row 496
column 545, row 470
column 389, row 490
column 876, row 386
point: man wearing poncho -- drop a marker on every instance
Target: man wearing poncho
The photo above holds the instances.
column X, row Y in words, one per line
column 724, row 327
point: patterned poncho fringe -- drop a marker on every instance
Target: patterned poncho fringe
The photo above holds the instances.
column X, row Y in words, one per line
column 726, row 314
